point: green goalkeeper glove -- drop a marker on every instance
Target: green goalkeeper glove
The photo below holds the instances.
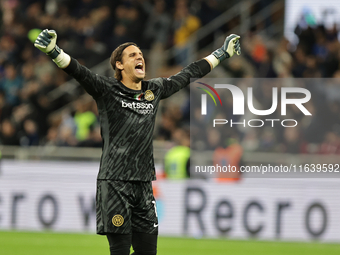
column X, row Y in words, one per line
column 46, row 42
column 230, row 46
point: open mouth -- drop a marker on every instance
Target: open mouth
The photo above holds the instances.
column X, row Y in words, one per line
column 139, row 68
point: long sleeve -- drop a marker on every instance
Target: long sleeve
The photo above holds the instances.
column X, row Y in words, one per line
column 94, row 84
column 180, row 80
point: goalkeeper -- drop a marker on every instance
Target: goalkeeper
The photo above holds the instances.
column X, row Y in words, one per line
column 127, row 106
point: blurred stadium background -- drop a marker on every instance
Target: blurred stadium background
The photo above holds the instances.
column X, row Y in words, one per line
column 50, row 142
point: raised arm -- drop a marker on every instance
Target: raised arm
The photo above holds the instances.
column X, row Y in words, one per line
column 202, row 67
column 92, row 83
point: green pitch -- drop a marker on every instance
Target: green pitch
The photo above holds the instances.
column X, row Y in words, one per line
column 32, row 243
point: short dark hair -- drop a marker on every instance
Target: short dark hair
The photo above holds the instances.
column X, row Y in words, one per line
column 117, row 55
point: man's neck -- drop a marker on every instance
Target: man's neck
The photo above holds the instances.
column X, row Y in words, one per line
column 131, row 84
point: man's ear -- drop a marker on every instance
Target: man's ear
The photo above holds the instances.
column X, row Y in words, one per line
column 119, row 65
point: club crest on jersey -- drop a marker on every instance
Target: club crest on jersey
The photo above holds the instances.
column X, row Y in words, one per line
column 117, row 220
column 149, row 95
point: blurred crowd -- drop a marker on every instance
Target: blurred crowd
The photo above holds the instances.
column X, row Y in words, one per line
column 90, row 30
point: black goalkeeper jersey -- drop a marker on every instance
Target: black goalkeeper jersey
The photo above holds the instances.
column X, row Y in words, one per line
column 127, row 118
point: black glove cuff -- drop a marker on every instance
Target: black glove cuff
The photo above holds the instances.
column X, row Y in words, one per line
column 220, row 54
column 54, row 53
